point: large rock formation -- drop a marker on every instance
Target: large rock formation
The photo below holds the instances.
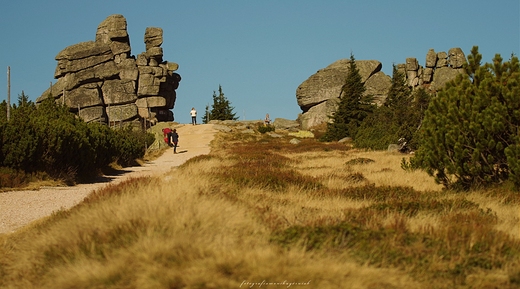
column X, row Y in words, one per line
column 439, row 69
column 318, row 96
column 101, row 81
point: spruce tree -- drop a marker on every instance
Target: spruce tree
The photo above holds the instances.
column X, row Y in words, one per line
column 399, row 117
column 3, row 112
column 221, row 108
column 23, row 99
column 420, row 103
column 405, row 106
column 353, row 107
column 205, row 117
column 470, row 135
column 399, row 94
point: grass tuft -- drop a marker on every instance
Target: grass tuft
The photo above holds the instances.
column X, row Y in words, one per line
column 359, row 161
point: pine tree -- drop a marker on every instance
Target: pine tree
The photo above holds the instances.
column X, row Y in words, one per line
column 407, row 108
column 205, row 117
column 221, row 108
column 3, row 111
column 23, row 99
column 420, row 103
column 399, row 94
column 399, row 117
column 470, row 135
column 353, row 107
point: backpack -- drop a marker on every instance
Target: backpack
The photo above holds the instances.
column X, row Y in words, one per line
column 166, row 131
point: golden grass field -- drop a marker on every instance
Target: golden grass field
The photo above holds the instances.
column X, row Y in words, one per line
column 259, row 212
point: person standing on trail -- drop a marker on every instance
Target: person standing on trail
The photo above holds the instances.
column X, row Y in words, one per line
column 193, row 114
column 174, row 139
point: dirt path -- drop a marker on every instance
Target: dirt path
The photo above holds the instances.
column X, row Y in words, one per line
column 18, row 208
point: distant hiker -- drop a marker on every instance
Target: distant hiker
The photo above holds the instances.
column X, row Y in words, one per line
column 403, row 148
column 267, row 120
column 193, row 114
column 166, row 134
column 174, row 139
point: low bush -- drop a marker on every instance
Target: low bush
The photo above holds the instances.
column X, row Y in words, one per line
column 12, row 178
column 50, row 139
column 469, row 137
column 265, row 128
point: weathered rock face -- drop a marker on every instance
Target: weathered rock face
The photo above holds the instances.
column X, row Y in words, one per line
column 101, row 81
column 318, row 96
column 327, row 82
column 440, row 68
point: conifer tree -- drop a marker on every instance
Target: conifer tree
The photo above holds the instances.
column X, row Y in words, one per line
column 400, row 116
column 205, row 117
column 221, row 108
column 470, row 135
column 399, row 94
column 383, row 126
column 420, row 102
column 400, row 103
column 353, row 107
column 23, row 99
column 3, row 112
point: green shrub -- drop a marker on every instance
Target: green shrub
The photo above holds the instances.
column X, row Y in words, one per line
column 399, row 117
column 50, row 139
column 131, row 144
column 470, row 131
column 375, row 133
column 265, row 128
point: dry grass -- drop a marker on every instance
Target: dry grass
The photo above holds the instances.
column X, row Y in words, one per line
column 356, row 167
column 263, row 210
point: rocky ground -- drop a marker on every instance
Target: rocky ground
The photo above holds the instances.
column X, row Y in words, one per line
column 19, row 208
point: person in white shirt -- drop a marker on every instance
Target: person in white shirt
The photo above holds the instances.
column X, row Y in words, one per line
column 267, row 120
column 193, row 114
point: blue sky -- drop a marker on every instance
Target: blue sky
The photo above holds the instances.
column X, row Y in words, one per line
column 259, row 51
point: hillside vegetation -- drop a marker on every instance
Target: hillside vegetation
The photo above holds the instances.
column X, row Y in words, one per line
column 48, row 142
column 466, row 135
column 260, row 209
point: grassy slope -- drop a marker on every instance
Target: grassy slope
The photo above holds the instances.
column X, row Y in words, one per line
column 260, row 209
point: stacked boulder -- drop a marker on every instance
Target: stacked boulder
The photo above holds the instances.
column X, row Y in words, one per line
column 101, row 81
column 319, row 95
column 439, row 69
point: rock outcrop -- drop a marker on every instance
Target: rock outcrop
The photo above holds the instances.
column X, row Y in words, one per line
column 101, row 81
column 439, row 69
column 318, row 96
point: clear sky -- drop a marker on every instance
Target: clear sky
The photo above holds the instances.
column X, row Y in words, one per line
column 259, row 51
